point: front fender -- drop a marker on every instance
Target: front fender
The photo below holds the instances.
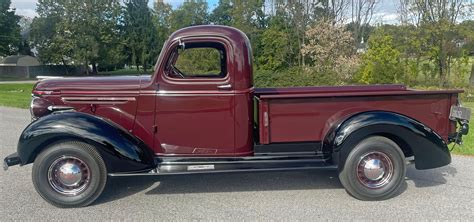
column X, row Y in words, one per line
column 121, row 151
column 428, row 148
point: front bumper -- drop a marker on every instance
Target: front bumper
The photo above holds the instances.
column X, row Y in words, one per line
column 11, row 160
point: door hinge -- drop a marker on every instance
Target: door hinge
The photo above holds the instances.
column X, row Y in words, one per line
column 155, row 128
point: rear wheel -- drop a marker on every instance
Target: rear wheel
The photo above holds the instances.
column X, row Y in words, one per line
column 374, row 169
column 69, row 174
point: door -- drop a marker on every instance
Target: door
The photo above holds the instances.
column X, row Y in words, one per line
column 195, row 102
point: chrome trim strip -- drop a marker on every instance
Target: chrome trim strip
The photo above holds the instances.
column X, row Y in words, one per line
column 194, row 94
column 125, row 93
column 49, row 77
column 154, row 173
column 97, row 100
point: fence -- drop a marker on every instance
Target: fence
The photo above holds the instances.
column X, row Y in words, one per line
column 24, row 72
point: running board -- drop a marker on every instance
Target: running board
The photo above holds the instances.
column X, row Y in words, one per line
column 196, row 165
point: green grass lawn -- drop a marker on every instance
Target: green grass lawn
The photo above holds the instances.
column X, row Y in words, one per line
column 16, row 94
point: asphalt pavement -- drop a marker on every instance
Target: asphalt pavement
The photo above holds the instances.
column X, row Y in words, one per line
column 445, row 193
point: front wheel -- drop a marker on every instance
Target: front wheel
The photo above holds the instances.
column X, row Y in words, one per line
column 69, row 174
column 374, row 170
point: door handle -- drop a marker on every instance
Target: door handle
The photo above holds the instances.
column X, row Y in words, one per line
column 226, row 87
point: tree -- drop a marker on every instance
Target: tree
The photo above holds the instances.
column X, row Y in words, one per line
column 162, row 20
column 332, row 10
column 92, row 29
column 9, row 29
column 437, row 19
column 300, row 15
column 412, row 43
column 274, row 49
column 222, row 13
column 47, row 37
column 381, row 63
column 249, row 17
column 466, row 32
column 190, row 13
column 25, row 24
column 329, row 48
column 362, row 12
column 82, row 31
column 24, row 47
column 471, row 78
column 140, row 32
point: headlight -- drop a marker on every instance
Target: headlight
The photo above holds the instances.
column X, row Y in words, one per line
column 39, row 107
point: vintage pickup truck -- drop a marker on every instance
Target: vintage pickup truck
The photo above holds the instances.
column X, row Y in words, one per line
column 85, row 130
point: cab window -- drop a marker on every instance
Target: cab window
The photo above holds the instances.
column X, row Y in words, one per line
column 198, row 60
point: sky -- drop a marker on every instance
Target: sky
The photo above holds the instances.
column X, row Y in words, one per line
column 386, row 9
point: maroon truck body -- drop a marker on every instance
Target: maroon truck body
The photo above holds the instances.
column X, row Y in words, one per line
column 299, row 114
column 226, row 117
column 179, row 108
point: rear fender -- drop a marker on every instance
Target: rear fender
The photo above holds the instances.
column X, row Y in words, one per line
column 415, row 138
column 121, row 151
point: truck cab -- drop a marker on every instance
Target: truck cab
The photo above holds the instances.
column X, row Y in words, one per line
column 204, row 93
column 200, row 113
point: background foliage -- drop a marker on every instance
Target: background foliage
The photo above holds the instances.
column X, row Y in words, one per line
column 9, row 29
column 295, row 42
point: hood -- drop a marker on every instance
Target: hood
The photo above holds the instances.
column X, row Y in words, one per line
column 93, row 83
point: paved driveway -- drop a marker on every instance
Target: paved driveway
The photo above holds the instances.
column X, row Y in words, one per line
column 441, row 194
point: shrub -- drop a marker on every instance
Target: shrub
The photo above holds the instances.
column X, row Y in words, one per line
column 381, row 62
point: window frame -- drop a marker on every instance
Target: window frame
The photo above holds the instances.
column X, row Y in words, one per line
column 170, row 57
column 222, row 60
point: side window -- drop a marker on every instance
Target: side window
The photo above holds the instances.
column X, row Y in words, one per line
column 199, row 60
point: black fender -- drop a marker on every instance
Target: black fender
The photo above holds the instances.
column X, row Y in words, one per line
column 413, row 137
column 121, row 151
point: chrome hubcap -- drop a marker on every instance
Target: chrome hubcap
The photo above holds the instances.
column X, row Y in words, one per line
column 374, row 170
column 69, row 175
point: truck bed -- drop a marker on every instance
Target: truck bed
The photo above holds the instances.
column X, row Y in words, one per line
column 305, row 114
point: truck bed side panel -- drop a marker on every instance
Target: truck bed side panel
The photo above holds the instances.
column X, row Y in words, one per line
column 308, row 119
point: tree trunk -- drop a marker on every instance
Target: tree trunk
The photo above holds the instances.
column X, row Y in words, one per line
column 450, row 62
column 442, row 72
column 471, row 79
column 87, row 67
column 94, row 68
column 442, row 65
column 302, row 43
column 65, row 66
column 356, row 30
